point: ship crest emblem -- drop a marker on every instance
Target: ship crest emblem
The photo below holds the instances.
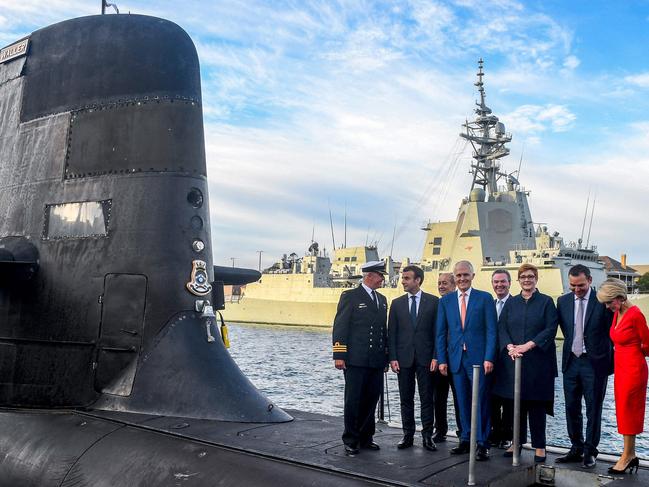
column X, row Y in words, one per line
column 198, row 282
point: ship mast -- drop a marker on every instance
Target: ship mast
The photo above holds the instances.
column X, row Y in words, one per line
column 488, row 138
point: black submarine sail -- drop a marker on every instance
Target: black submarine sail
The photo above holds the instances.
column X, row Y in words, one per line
column 105, row 246
column 106, row 276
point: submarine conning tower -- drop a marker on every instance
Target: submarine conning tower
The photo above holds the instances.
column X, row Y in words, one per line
column 105, row 249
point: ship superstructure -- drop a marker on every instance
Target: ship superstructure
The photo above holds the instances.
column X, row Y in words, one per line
column 494, row 226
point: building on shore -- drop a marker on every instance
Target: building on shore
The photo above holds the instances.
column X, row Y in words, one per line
column 620, row 270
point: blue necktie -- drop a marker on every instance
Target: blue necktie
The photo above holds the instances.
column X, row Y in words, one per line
column 413, row 311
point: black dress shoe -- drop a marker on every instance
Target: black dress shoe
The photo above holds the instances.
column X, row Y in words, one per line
column 503, row 445
column 482, row 454
column 461, row 449
column 439, row 438
column 589, row 461
column 428, row 443
column 571, row 457
column 510, row 453
column 406, row 442
column 370, row 446
column 351, row 451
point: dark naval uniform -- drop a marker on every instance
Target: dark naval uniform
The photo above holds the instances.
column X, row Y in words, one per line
column 360, row 339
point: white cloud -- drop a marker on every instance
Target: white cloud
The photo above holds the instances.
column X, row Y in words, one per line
column 539, row 118
column 365, row 50
column 620, row 179
column 37, row 11
column 641, row 80
column 571, row 62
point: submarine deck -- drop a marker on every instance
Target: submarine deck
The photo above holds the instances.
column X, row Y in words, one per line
column 312, row 441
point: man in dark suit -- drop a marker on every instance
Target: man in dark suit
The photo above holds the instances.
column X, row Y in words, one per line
column 587, row 362
column 466, row 335
column 360, row 351
column 502, row 417
column 411, row 339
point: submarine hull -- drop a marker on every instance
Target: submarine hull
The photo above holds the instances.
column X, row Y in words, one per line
column 71, row 449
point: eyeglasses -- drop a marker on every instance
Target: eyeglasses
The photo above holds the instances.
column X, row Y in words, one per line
column 526, row 277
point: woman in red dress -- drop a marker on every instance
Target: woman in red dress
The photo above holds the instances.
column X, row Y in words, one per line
column 630, row 336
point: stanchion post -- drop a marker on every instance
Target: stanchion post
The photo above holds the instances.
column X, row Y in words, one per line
column 516, row 444
column 382, row 399
column 474, row 422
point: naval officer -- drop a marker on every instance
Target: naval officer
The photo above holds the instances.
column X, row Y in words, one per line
column 360, row 351
column 411, row 338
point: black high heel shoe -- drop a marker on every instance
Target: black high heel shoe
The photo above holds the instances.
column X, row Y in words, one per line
column 634, row 463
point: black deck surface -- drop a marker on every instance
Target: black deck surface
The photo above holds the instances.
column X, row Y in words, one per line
column 314, row 440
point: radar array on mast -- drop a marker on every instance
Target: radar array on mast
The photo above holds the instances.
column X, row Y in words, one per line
column 488, row 138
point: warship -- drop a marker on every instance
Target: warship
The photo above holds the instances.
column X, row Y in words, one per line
column 494, row 229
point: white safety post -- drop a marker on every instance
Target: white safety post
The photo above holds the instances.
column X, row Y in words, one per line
column 474, row 422
column 516, row 444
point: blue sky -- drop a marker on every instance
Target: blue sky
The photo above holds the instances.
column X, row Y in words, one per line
column 317, row 104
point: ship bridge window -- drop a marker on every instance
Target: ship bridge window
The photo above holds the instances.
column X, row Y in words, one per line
column 436, row 250
column 437, row 241
column 346, row 259
column 77, row 220
column 353, row 259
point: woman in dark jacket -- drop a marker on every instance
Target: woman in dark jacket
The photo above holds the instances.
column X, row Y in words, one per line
column 527, row 328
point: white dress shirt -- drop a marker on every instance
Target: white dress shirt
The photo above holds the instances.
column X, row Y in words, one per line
column 503, row 301
column 417, row 300
column 466, row 299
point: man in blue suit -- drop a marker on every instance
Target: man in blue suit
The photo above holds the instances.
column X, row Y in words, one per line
column 466, row 336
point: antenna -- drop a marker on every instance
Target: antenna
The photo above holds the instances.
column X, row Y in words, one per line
column 345, row 241
column 394, row 232
column 313, row 234
column 520, row 162
column 331, row 222
column 583, row 225
column 590, row 225
column 488, row 138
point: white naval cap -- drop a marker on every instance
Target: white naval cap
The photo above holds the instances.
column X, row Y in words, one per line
column 377, row 266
